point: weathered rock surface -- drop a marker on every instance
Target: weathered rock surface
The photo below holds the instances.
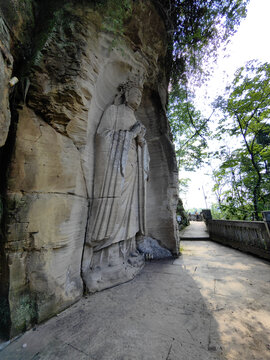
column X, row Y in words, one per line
column 44, row 161
column 47, row 210
column 6, row 63
column 162, row 194
column 73, row 77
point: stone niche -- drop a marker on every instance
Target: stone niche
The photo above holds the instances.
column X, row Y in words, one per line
column 51, row 200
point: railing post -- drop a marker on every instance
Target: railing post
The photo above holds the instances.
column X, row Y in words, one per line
column 207, row 216
column 206, row 213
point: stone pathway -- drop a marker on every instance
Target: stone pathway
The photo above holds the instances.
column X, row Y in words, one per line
column 211, row 303
column 195, row 231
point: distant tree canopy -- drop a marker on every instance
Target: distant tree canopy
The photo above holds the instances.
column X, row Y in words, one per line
column 189, row 128
column 242, row 181
column 196, row 28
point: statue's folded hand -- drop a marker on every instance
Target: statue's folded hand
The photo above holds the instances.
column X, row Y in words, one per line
column 140, row 140
column 142, row 131
column 136, row 128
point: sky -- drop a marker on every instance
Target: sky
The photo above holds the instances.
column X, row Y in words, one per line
column 250, row 42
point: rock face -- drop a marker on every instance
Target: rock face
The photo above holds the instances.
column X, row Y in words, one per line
column 6, row 63
column 90, row 171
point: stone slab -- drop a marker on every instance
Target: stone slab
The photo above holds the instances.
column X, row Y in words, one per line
column 195, row 231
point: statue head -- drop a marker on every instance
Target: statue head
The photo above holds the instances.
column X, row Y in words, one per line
column 119, row 98
column 133, row 97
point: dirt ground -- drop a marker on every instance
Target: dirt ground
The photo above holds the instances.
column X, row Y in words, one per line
column 211, row 303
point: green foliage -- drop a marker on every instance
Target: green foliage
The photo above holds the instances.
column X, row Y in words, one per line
column 115, row 13
column 242, row 182
column 196, row 29
column 228, row 211
column 216, row 212
column 25, row 313
column 189, row 129
column 183, row 185
column 184, row 216
column 194, row 210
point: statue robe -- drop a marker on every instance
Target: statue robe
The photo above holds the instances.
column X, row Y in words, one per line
column 121, row 169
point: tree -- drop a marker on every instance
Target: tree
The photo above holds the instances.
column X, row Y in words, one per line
column 189, row 129
column 196, row 28
column 234, row 201
column 246, row 116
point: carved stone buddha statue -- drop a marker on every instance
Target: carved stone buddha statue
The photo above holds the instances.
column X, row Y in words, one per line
column 118, row 206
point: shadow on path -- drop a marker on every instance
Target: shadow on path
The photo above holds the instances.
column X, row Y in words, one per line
column 211, row 303
column 161, row 314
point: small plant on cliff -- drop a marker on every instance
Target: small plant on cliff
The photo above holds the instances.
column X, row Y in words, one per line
column 115, row 13
column 25, row 312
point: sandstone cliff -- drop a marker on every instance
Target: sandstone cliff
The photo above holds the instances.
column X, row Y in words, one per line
column 69, row 69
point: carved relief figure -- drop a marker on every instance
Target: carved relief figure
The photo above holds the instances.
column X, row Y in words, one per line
column 118, row 207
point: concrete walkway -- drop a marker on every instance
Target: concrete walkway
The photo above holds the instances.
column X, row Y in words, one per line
column 195, row 231
column 211, row 303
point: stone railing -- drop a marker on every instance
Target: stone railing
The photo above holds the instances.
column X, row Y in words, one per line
column 249, row 236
